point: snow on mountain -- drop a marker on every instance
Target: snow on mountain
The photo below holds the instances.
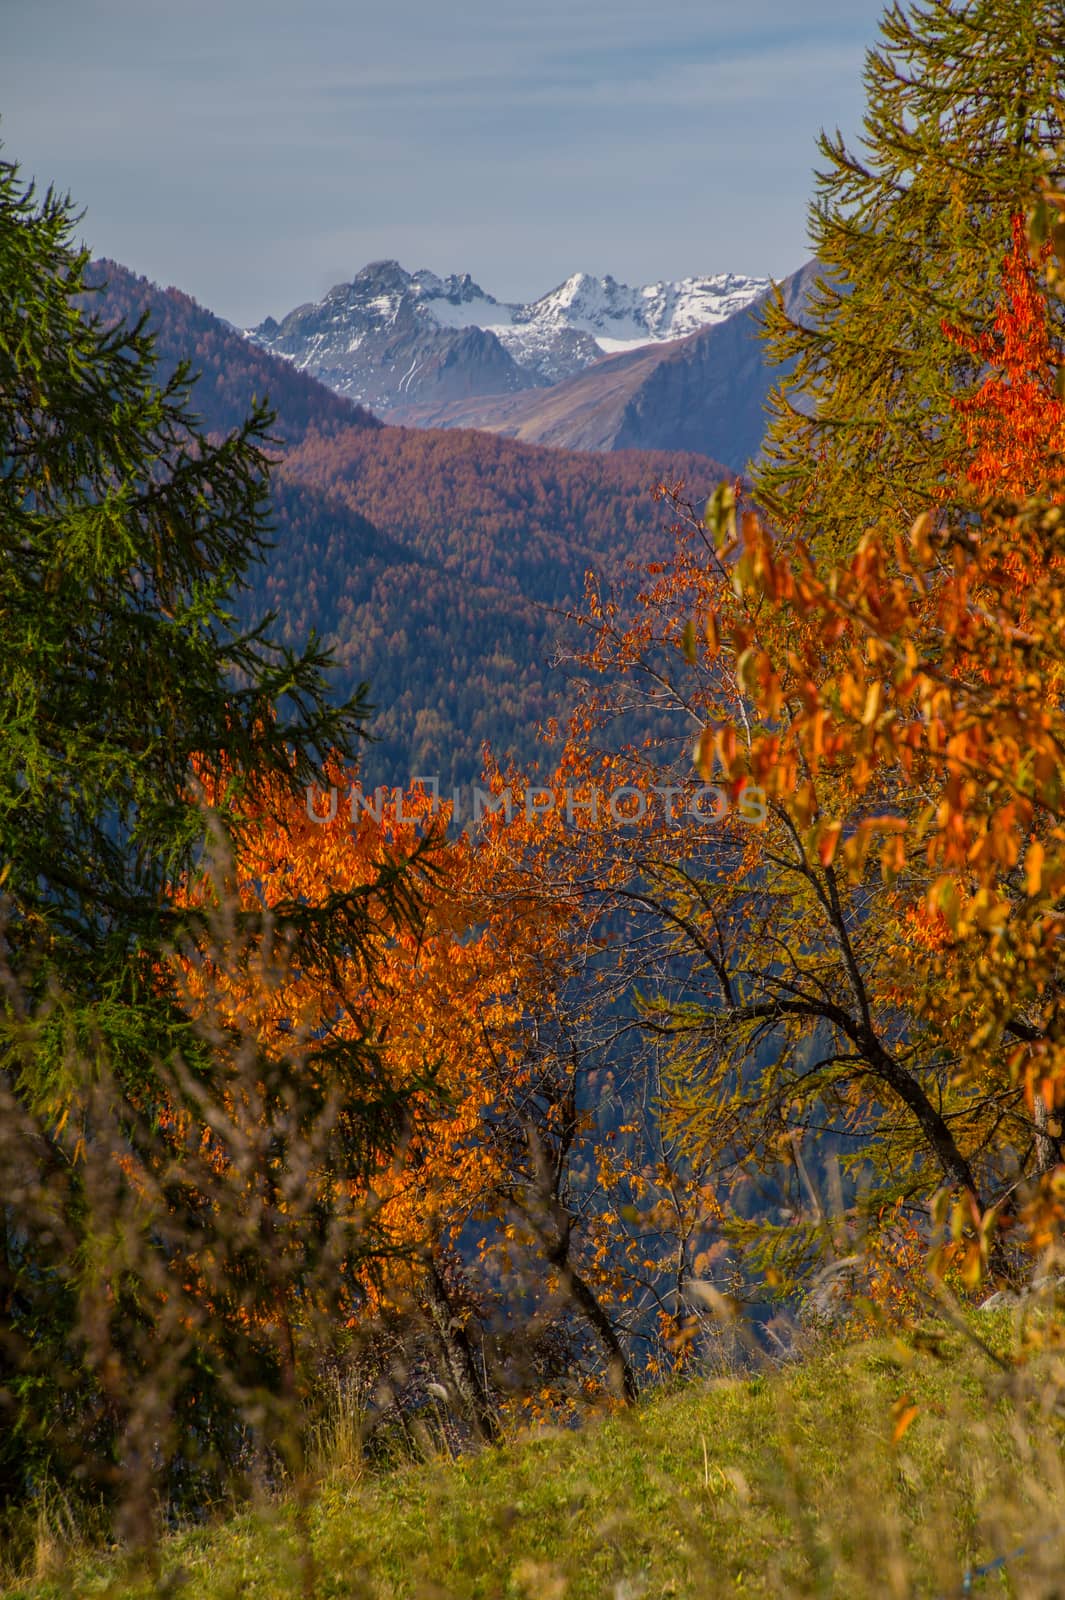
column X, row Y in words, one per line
column 456, row 302
column 616, row 315
column 612, row 317
column 392, row 337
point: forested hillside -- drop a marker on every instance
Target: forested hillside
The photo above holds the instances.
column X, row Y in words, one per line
column 232, row 371
column 439, row 565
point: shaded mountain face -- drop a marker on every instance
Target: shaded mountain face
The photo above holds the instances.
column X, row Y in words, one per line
column 233, row 372
column 438, row 564
column 712, row 386
column 394, row 339
column 705, row 393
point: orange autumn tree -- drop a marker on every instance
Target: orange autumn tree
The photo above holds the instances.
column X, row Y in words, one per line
column 757, row 981
column 976, row 859
column 927, row 673
column 437, row 994
column 820, row 992
column 1014, row 422
column 443, row 1002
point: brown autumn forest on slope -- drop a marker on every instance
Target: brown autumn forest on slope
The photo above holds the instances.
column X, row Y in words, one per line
column 438, row 565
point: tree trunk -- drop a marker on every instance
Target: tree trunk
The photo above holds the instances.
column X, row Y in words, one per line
column 458, row 1355
column 622, row 1377
column 1047, row 1139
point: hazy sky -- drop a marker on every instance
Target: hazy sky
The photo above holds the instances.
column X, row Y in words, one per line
column 255, row 152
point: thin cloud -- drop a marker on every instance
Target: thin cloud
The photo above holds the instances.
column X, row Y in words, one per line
column 246, row 150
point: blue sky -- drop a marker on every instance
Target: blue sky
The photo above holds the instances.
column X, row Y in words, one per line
column 255, row 152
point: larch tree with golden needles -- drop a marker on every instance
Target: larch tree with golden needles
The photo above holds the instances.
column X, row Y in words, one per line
column 965, row 115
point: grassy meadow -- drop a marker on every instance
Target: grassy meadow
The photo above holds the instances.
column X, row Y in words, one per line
column 872, row 1467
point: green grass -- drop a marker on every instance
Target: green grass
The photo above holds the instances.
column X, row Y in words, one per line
column 785, row 1484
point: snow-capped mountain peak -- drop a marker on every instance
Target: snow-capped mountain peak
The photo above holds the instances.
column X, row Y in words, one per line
column 615, row 314
column 384, row 335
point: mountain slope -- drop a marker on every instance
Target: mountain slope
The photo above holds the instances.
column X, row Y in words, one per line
column 582, row 413
column 233, row 372
column 458, row 649
column 437, row 564
column 710, row 391
column 704, row 393
column 783, row 1482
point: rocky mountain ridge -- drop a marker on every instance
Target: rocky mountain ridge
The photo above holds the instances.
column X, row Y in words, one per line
column 394, row 339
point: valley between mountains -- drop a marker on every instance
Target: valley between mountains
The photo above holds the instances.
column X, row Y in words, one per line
column 441, row 562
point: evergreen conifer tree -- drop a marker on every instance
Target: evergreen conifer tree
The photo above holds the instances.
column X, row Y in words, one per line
column 125, row 677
